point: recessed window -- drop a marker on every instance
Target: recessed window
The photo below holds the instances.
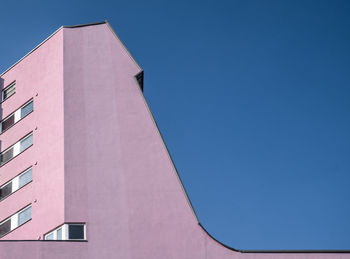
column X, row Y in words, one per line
column 16, row 183
column 15, row 221
column 76, row 232
column 5, row 227
column 5, row 190
column 8, row 122
column 16, row 149
column 6, row 155
column 71, row 231
column 8, row 91
column 16, row 116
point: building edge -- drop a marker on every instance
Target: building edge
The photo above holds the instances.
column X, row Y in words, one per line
column 169, row 155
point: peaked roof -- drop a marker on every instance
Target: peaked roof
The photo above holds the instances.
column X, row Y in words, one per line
column 72, row 27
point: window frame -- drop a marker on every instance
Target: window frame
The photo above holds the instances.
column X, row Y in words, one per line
column 26, row 219
column 17, row 115
column 15, row 183
column 14, row 220
column 65, row 232
column 16, row 148
column 13, row 84
column 26, row 146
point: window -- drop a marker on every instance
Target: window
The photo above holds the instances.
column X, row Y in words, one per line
column 8, row 122
column 71, row 231
column 8, row 91
column 26, row 142
column 6, row 156
column 16, row 149
column 25, row 178
column 59, row 234
column 24, row 215
column 16, row 220
column 76, row 232
column 16, row 116
column 16, row 183
column 49, row 237
column 5, row 227
column 5, row 191
column 28, row 108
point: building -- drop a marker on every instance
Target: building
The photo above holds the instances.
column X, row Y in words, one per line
column 84, row 170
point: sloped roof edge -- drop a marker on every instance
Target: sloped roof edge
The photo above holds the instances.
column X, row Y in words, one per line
column 72, row 26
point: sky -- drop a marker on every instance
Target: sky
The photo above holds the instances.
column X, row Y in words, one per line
column 251, row 97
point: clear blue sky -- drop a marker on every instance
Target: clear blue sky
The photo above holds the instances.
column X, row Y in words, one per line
column 253, row 100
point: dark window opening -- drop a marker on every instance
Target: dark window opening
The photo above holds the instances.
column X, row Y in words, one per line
column 6, row 156
column 8, row 123
column 76, row 232
column 5, row 191
column 5, row 227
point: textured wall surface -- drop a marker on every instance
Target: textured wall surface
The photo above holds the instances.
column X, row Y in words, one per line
column 118, row 176
column 38, row 76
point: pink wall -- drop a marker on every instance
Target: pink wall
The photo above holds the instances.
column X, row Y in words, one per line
column 118, row 176
column 38, row 76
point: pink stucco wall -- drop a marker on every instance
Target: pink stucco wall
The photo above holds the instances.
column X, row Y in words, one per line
column 38, row 76
column 118, row 176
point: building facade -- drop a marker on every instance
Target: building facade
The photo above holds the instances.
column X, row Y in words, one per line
column 84, row 172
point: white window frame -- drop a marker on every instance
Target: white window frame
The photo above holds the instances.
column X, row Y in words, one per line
column 15, row 182
column 17, row 148
column 18, row 214
column 5, row 89
column 14, row 219
column 65, row 232
column 17, row 115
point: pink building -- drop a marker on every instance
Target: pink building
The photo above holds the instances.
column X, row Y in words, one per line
column 84, row 172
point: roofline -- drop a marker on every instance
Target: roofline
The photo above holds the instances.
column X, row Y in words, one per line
column 126, row 49
column 84, row 25
column 235, row 250
column 269, row 251
column 30, row 52
column 72, row 27
column 183, row 188
column 196, row 216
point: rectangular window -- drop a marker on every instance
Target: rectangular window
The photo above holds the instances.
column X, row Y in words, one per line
column 25, row 178
column 76, row 232
column 28, row 108
column 24, row 215
column 16, row 183
column 8, row 91
column 16, row 149
column 7, row 123
column 71, row 231
column 59, row 234
column 6, row 156
column 16, row 220
column 26, row 142
column 5, row 191
column 5, row 227
column 16, row 116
